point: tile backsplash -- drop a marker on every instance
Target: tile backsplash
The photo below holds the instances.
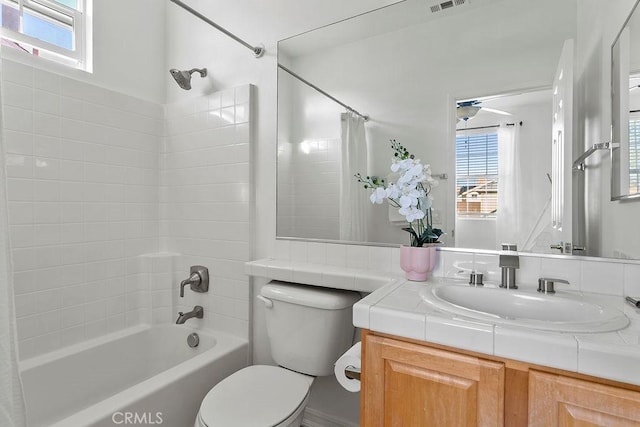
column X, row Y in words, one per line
column 597, row 275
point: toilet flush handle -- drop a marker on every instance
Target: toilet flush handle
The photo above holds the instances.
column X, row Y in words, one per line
column 267, row 302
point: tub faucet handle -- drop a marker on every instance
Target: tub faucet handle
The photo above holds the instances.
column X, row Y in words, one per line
column 198, row 280
column 194, row 279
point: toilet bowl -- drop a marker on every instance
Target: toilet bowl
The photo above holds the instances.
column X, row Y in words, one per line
column 258, row 395
column 308, row 328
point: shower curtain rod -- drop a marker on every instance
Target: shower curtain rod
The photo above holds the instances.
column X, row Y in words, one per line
column 489, row 127
column 258, row 51
column 364, row 116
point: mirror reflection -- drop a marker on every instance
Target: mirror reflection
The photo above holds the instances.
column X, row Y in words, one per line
column 625, row 178
column 392, row 66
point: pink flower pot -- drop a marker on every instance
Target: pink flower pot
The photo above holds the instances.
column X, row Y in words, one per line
column 417, row 262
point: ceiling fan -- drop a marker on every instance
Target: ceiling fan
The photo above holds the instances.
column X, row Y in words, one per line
column 468, row 109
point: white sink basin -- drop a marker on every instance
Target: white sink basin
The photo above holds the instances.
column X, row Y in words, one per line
column 560, row 312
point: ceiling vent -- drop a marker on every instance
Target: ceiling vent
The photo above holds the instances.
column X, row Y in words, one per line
column 438, row 7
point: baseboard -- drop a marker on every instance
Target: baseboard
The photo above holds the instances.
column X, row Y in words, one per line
column 315, row 418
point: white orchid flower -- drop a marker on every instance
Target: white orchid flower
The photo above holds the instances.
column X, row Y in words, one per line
column 411, row 213
column 393, row 192
column 378, row 195
column 401, row 165
column 413, row 192
column 408, row 201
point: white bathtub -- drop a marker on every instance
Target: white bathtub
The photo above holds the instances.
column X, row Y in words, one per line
column 141, row 376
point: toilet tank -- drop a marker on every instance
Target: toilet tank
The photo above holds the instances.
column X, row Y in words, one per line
column 309, row 327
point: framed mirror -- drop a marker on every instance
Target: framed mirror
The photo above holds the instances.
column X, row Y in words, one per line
column 405, row 67
column 625, row 110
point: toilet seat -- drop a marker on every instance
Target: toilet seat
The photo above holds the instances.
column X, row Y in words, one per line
column 258, row 395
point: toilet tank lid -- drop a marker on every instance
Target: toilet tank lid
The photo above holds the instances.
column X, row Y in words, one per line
column 310, row 296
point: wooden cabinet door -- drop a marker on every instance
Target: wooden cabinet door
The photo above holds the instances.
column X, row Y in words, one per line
column 406, row 384
column 555, row 400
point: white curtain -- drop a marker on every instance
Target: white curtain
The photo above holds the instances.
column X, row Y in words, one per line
column 509, row 192
column 354, row 199
column 12, row 408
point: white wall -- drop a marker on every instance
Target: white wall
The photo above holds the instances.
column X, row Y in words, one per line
column 128, row 49
column 608, row 223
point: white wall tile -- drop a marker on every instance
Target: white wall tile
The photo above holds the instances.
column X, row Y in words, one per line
column 67, row 227
column 632, row 280
column 602, row 277
column 529, row 272
column 337, row 255
column 203, row 167
column 357, row 256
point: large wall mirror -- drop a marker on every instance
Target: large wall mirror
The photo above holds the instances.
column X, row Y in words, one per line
column 411, row 68
column 625, row 114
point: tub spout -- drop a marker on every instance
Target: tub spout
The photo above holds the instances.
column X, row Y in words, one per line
column 197, row 312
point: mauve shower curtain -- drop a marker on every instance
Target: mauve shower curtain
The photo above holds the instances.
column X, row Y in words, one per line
column 354, row 199
column 12, row 408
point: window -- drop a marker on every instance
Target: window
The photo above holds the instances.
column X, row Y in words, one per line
column 54, row 29
column 634, row 154
column 476, row 173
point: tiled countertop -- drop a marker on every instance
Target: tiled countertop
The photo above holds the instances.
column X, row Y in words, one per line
column 398, row 309
column 394, row 306
column 353, row 279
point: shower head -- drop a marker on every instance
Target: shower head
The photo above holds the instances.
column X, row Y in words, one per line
column 183, row 78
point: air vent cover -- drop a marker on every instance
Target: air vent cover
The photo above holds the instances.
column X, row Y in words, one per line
column 438, row 7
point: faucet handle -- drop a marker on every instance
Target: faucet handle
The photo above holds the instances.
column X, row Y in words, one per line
column 509, row 247
column 558, row 246
column 198, row 280
column 546, row 284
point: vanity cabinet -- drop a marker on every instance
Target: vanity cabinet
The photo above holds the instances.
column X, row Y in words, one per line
column 411, row 383
column 407, row 384
column 557, row 400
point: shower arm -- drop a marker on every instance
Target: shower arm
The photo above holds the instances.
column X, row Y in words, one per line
column 258, row 51
column 201, row 71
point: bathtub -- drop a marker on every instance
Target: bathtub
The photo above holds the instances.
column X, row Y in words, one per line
column 140, row 376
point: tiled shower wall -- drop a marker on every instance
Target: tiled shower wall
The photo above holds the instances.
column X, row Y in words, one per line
column 309, row 189
column 82, row 165
column 205, row 206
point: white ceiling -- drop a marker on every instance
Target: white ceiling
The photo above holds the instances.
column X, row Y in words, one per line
column 383, row 20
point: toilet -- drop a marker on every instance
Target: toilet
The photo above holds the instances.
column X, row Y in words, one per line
column 309, row 328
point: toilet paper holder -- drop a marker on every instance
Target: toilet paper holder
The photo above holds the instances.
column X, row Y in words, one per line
column 352, row 372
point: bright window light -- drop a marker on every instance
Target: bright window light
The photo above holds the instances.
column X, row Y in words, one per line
column 476, row 174
column 58, row 30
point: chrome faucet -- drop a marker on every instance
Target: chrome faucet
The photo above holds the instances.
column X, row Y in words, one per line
column 197, row 312
column 509, row 263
